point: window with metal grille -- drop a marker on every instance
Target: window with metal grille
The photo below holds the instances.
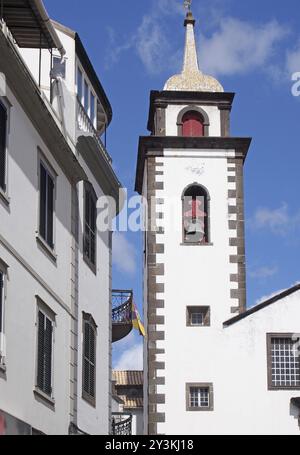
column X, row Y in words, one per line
column 46, row 205
column 284, row 362
column 44, row 360
column 198, row 316
column 90, row 234
column 199, row 397
column 89, row 359
column 3, row 138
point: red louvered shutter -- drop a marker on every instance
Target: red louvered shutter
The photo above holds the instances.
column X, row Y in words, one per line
column 192, row 125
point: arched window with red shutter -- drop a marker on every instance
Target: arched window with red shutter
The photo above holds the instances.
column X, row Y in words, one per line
column 192, row 124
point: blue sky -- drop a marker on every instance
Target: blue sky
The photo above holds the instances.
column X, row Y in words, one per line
column 253, row 47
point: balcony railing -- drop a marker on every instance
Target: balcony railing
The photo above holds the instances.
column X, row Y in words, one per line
column 121, row 314
column 121, row 424
column 85, row 125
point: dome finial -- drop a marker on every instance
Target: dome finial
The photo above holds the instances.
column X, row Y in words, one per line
column 191, row 78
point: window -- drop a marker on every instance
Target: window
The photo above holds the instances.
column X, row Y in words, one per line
column 199, row 397
column 46, row 206
column 198, row 316
column 44, row 358
column 195, row 215
column 283, row 361
column 86, row 97
column 93, row 111
column 3, row 139
column 192, row 124
column 90, row 233
column 79, row 84
column 89, row 359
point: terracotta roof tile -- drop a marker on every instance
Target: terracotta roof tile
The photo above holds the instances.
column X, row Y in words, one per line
column 128, row 377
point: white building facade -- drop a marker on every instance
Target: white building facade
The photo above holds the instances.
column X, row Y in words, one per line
column 55, row 265
column 204, row 375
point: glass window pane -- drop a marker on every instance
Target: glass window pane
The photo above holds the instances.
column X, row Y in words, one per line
column 79, row 84
column 93, row 111
column 86, row 96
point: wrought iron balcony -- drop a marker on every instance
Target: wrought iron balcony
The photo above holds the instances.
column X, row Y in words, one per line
column 121, row 424
column 121, row 314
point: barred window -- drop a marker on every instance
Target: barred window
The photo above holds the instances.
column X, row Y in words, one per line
column 44, row 361
column 3, row 140
column 199, row 397
column 89, row 359
column 90, row 234
column 284, row 362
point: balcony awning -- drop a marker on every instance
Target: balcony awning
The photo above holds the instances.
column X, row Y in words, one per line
column 29, row 24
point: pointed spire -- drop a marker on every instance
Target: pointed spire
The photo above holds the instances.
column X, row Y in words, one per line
column 191, row 78
column 190, row 63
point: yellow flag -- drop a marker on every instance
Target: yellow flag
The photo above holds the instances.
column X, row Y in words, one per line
column 136, row 321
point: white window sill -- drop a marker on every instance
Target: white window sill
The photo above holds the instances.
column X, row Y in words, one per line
column 39, row 393
column 48, row 250
column 197, row 244
column 4, row 197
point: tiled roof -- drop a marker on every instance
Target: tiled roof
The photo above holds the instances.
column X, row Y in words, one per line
column 131, row 378
column 132, row 403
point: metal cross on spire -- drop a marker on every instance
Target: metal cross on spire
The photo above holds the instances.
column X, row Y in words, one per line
column 188, row 4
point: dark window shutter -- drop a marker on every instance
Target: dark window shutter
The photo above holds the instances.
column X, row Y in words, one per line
column 89, row 360
column 48, row 357
column 50, row 209
column 90, row 227
column 41, row 351
column 43, row 201
column 1, row 300
column 44, row 367
column 3, row 130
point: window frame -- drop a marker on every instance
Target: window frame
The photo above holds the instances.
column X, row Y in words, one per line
column 86, row 396
column 49, row 314
column 208, row 241
column 91, row 92
column 205, row 310
column 271, row 336
column 200, row 385
column 88, row 189
column 42, row 161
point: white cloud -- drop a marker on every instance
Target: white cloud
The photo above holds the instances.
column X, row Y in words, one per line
column 238, row 46
column 263, row 272
column 279, row 221
column 131, row 358
column 293, row 60
column 124, row 254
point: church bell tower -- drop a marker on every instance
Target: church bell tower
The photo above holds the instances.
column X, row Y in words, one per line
column 190, row 172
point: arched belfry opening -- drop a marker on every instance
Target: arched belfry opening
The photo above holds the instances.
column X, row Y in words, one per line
column 195, row 216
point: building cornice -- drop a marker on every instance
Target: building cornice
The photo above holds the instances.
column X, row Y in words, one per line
column 155, row 145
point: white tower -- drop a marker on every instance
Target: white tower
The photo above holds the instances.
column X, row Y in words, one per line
column 190, row 170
